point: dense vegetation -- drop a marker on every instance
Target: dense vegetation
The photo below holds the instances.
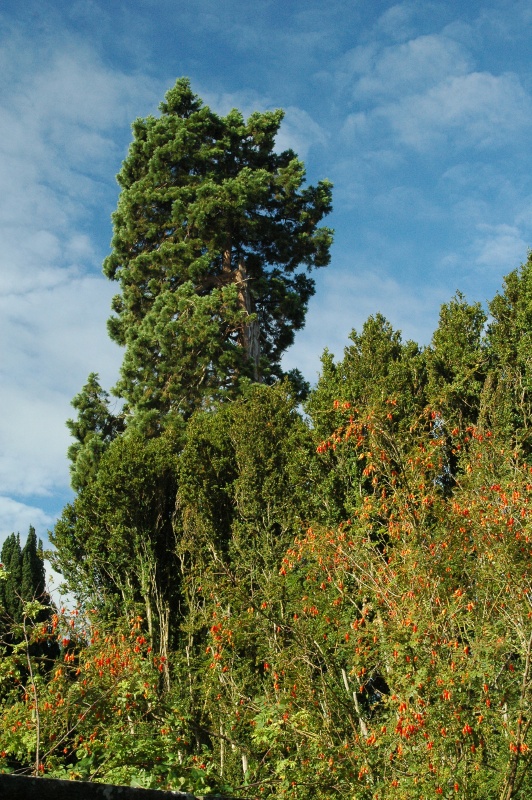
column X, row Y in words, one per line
column 331, row 600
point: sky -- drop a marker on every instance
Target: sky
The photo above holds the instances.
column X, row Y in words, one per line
column 420, row 113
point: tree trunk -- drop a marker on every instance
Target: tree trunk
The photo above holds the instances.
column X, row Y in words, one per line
column 251, row 330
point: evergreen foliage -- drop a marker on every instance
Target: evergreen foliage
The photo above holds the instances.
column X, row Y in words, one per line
column 211, row 228
column 379, row 372
column 115, row 543
column 508, row 396
column 457, row 362
column 24, row 575
column 10, row 588
column 94, row 430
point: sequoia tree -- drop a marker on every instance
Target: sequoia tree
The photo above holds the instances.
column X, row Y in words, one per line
column 211, row 229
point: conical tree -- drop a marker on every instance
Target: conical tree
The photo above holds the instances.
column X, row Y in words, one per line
column 507, row 399
column 93, row 430
column 33, row 578
column 457, row 363
column 211, row 228
column 25, row 575
column 10, row 600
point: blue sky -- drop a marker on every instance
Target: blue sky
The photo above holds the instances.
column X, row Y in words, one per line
column 419, row 112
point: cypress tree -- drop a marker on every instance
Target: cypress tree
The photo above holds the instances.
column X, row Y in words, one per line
column 10, row 588
column 33, row 580
column 25, row 579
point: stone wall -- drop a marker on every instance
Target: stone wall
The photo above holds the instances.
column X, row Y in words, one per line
column 16, row 787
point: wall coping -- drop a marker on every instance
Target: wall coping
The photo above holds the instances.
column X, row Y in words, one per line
column 22, row 787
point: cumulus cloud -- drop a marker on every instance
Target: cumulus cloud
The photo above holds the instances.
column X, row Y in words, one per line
column 509, row 21
column 426, row 94
column 396, row 21
column 299, row 132
column 58, row 143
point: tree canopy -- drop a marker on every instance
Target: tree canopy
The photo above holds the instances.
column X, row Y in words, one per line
column 211, row 229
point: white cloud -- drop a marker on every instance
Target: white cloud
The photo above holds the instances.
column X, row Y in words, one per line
column 60, row 126
column 246, row 101
column 500, row 248
column 396, row 21
column 299, row 132
column 347, row 298
column 408, row 68
column 425, row 94
column 17, row 517
column 474, row 110
column 51, row 339
column 508, row 21
column 524, row 215
column 58, row 150
column 478, row 109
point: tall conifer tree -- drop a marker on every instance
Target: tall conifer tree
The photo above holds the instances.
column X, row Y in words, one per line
column 211, row 229
column 10, row 588
column 25, row 579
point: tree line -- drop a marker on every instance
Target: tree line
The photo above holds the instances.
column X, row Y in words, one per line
column 282, row 591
